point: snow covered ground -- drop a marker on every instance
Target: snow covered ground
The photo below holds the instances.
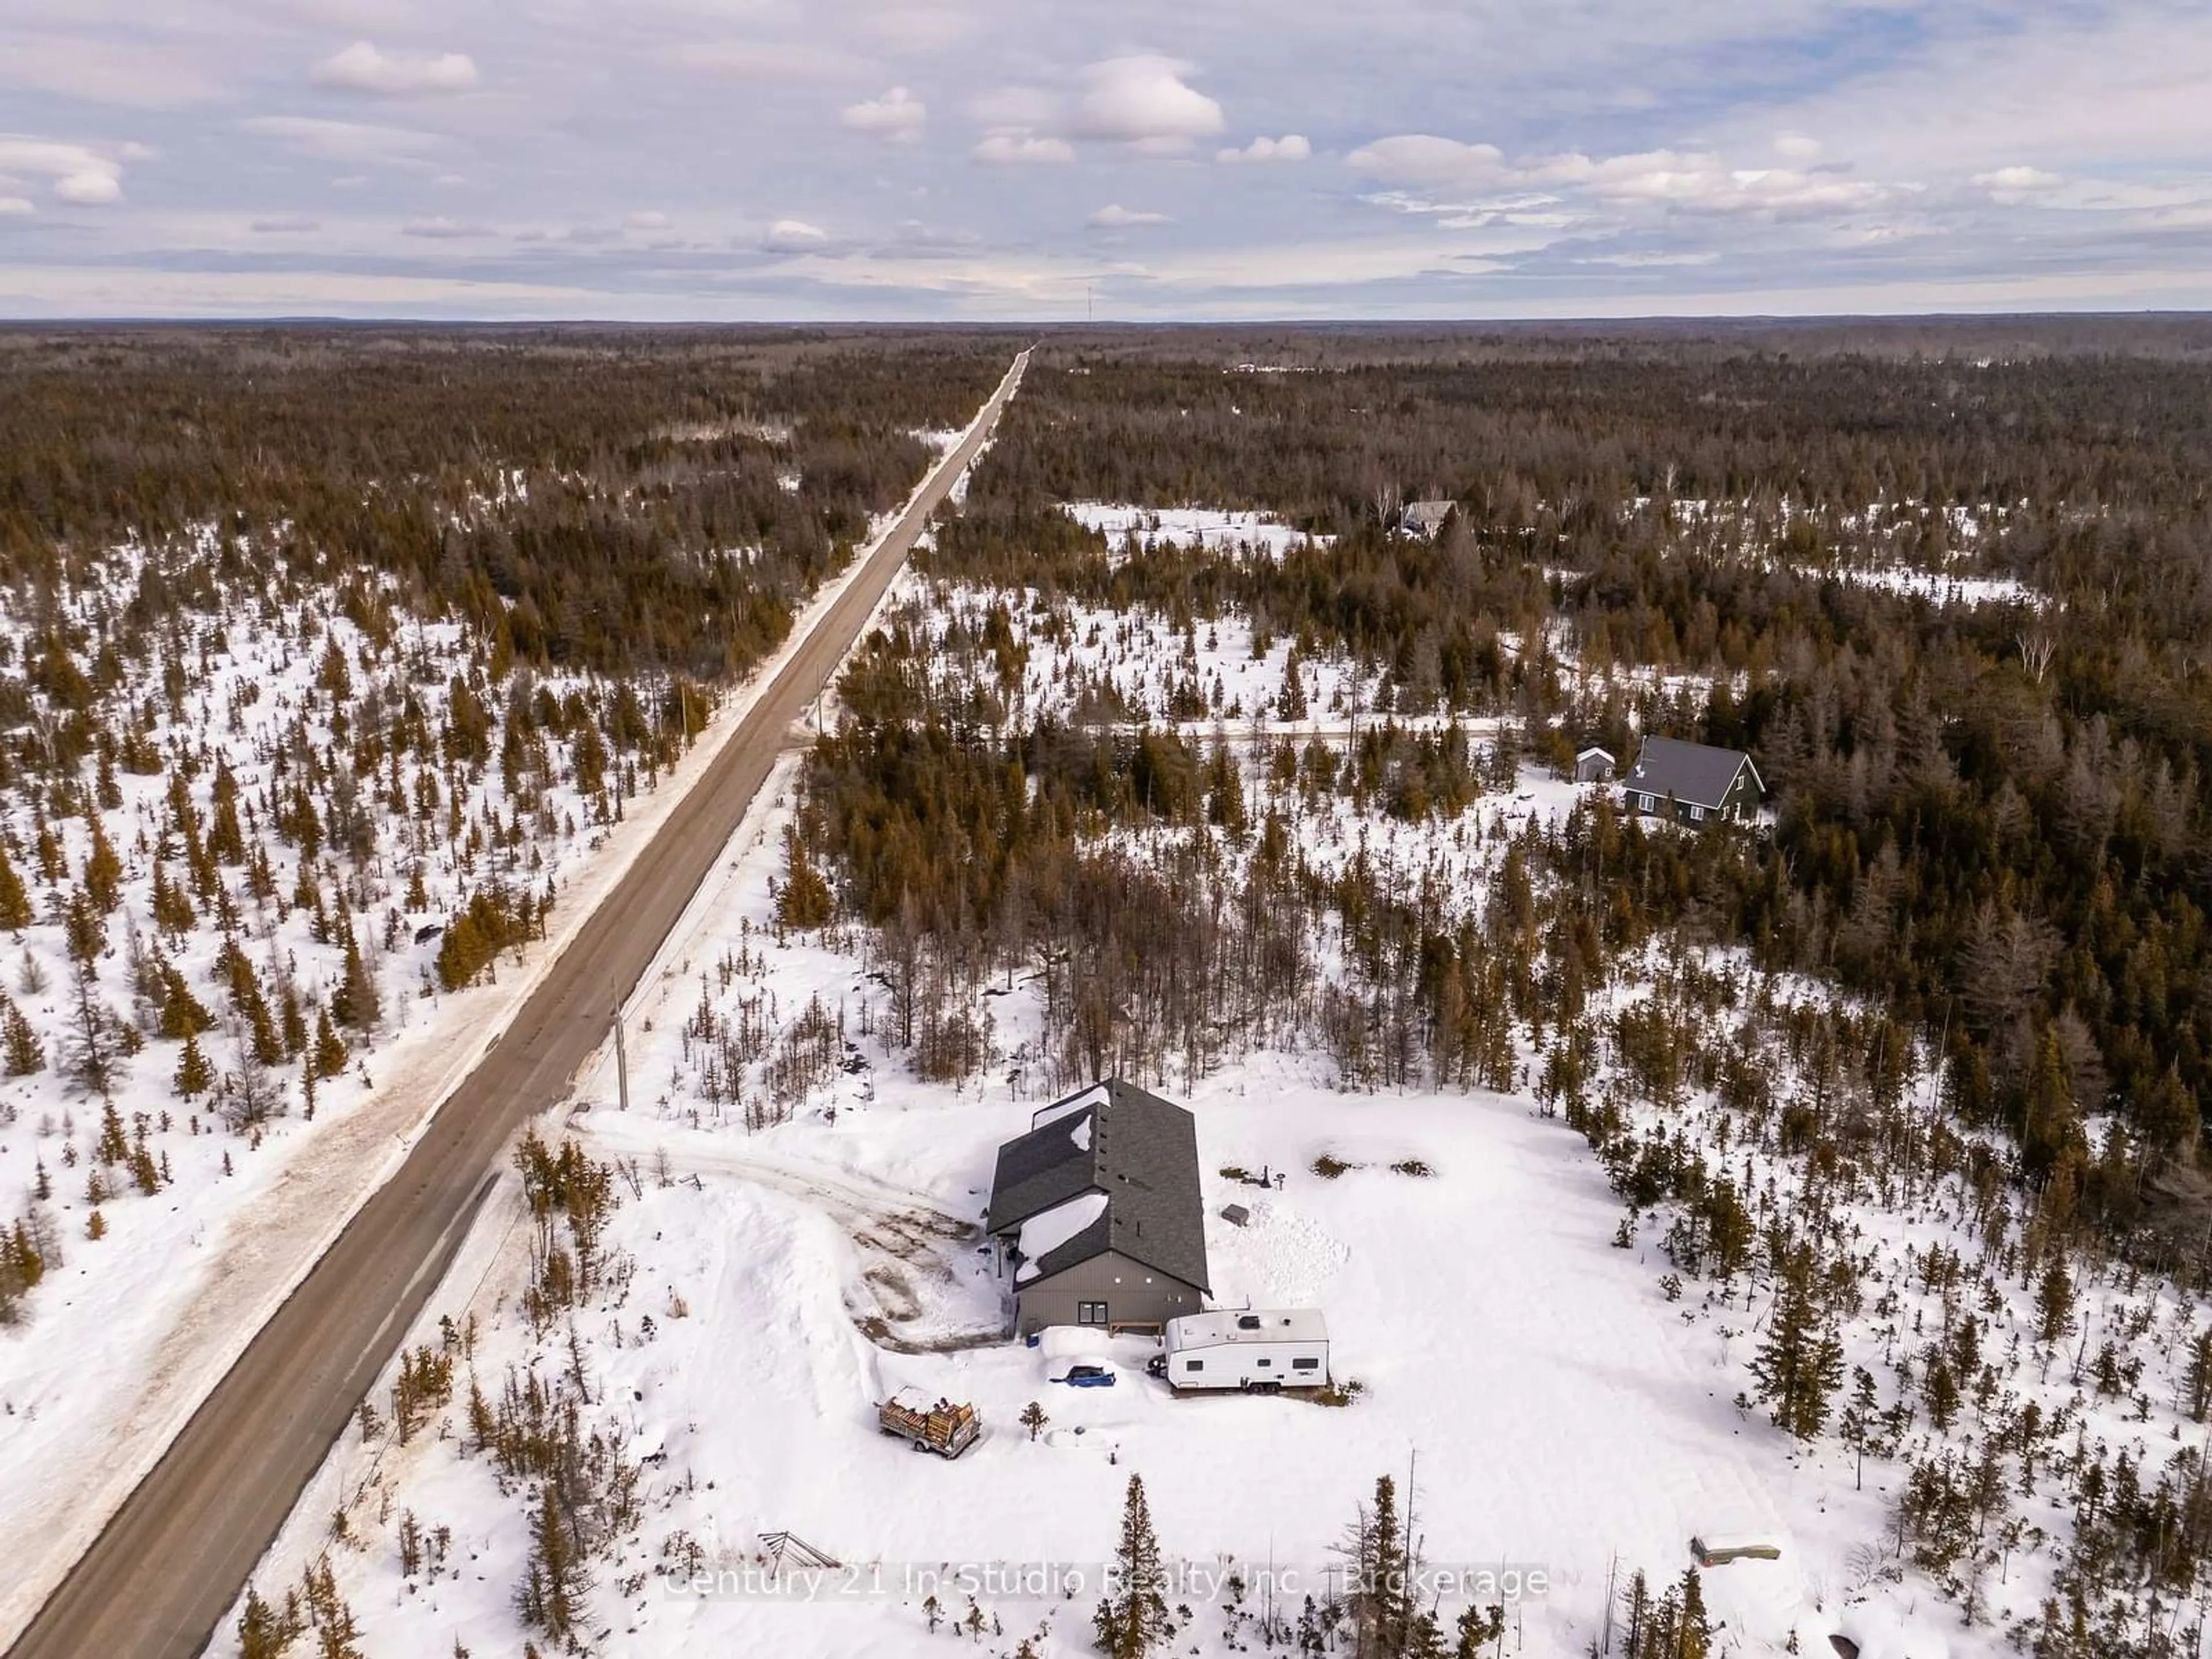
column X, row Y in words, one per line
column 1124, row 525
column 1568, row 1423
column 1562, row 1415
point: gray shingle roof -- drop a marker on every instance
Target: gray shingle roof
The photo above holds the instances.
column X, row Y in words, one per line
column 1695, row 773
column 1141, row 1150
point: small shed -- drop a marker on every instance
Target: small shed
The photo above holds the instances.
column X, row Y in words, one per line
column 1594, row 765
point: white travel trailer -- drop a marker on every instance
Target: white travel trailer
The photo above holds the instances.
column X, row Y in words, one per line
column 1257, row 1352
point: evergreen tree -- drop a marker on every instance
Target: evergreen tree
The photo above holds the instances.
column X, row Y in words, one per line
column 804, row 901
column 83, row 931
column 329, row 1055
column 1382, row 1598
column 15, row 902
column 25, row 1053
column 2198, row 1385
column 267, row 1632
column 1478, row 1630
column 553, row 1590
column 2054, row 1300
column 173, row 905
column 1800, row 1362
column 1134, row 1619
column 183, row 1014
column 1636, row 1614
column 103, row 870
column 1939, row 1392
column 91, row 1055
column 357, row 1003
column 194, row 1076
column 1033, row 1419
column 1291, row 701
column 1693, row 1632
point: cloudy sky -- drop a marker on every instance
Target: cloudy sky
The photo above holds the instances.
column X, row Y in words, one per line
column 1026, row 159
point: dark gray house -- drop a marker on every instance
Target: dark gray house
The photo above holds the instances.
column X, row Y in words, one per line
column 1693, row 782
column 1425, row 518
column 1095, row 1218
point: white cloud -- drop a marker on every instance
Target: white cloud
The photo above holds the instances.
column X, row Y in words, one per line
column 793, row 236
column 1684, row 181
column 439, row 228
column 362, row 68
column 345, row 141
column 81, row 175
column 898, row 116
column 1144, row 100
column 2016, row 181
column 645, row 219
column 1422, row 158
column 1798, row 147
column 90, row 189
column 1290, row 147
column 282, row 227
column 1008, row 148
column 11, row 205
column 1115, row 217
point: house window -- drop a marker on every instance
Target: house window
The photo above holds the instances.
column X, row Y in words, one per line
column 1647, row 804
column 1091, row 1313
column 1305, row 1365
column 1190, row 1365
column 1697, row 814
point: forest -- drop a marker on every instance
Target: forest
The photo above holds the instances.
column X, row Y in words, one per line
column 614, row 501
column 1990, row 815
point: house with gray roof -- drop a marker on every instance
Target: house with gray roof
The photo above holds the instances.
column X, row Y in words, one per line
column 1425, row 518
column 1096, row 1217
column 1693, row 782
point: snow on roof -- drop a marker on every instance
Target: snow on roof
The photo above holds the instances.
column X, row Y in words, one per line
column 1081, row 1101
column 1208, row 1330
column 1141, row 1150
column 1046, row 1231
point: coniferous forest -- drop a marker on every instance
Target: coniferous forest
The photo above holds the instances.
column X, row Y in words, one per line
column 1990, row 818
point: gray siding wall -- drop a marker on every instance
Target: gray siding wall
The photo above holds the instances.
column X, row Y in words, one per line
column 1134, row 1294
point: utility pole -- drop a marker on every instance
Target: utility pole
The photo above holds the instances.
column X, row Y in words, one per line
column 622, row 1061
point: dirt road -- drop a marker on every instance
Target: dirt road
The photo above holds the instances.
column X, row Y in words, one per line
column 174, row 1557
